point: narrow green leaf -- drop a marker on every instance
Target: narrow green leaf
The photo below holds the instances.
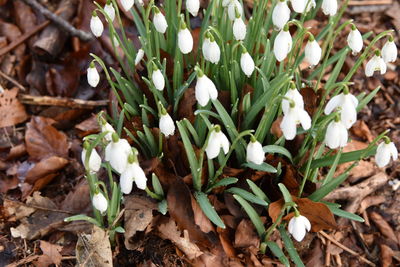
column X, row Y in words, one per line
column 265, row 167
column 345, row 214
column 163, row 207
column 257, row 191
column 277, row 251
column 272, row 149
column 119, row 229
column 286, row 195
column 157, row 185
column 82, row 217
column 328, row 187
column 247, row 195
column 223, row 182
column 294, row 256
column 208, row 209
column 254, row 217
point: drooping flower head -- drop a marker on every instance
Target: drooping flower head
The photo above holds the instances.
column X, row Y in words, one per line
column 234, row 9
column 348, row 107
column 193, row 7
column 336, row 134
column 283, row 44
column 280, row 14
column 96, row 26
column 298, row 226
column 205, row 89
column 133, row 173
column 99, row 201
column 312, row 51
column 254, row 152
column 293, row 116
column 211, row 51
column 159, row 21
column 376, row 63
column 91, row 162
column 386, row 150
column 239, row 28
column 127, row 4
column 329, row 7
column 292, row 95
column 389, row 51
column 109, row 10
column 139, row 56
column 354, row 40
column 217, row 141
column 117, row 152
column 166, row 124
column 246, row 63
column 93, row 77
column 157, row 78
column 185, row 39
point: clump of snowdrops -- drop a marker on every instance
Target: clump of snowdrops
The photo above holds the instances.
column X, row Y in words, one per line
column 263, row 52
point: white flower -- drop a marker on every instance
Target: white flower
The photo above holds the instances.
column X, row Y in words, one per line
column 247, row 64
column 159, row 21
column 106, row 127
column 298, row 227
column 291, row 118
column 384, row 152
column 158, row 79
column 132, row 173
column 185, row 40
column 205, row 90
column 140, row 2
column 117, row 152
column 282, row 44
column 96, row 26
column 389, row 51
column 139, row 56
column 232, row 7
column 216, row 141
column 193, row 7
column 348, row 104
column 225, row 3
column 110, row 11
column 255, row 152
column 166, row 125
column 302, row 5
column 94, row 162
column 239, row 29
column 294, row 95
column 336, row 135
column 376, row 63
column 354, row 40
column 313, row 52
column 329, row 7
column 100, row 202
column 211, row 50
column 93, row 76
column 127, row 4
column 280, row 14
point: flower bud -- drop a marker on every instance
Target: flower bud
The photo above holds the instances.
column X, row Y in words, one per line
column 117, row 152
column 205, row 90
column 100, row 202
column 94, row 162
column 185, row 40
column 301, row 6
column 329, row 7
column 336, row 135
column 109, row 10
column 389, row 51
column 158, row 80
column 139, row 56
column 247, row 64
column 254, row 152
column 354, row 40
column 127, row 4
column 313, row 52
column 166, row 125
column 233, row 7
column 159, row 21
column 193, row 7
column 96, row 26
column 93, row 76
column 211, row 51
column 385, row 151
column 282, row 44
column 298, row 227
column 280, row 14
column 216, row 141
column 239, row 29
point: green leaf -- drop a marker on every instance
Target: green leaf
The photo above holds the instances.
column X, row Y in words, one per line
column 294, row 256
column 265, row 167
column 82, row 217
column 119, row 229
column 254, row 217
column 328, row 187
column 367, row 99
column 286, row 195
column 345, row 214
column 156, row 185
column 332, row 170
column 208, row 209
column 257, row 191
column 247, row 195
column 277, row 251
column 223, row 182
column 272, row 149
column 163, row 207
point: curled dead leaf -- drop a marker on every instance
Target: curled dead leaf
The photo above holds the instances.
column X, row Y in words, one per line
column 12, row 111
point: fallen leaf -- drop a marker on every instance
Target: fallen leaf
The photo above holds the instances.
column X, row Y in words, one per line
column 43, row 140
column 315, row 256
column 45, row 167
column 384, row 226
column 187, row 105
column 361, row 129
column 370, row 201
column 88, row 126
column 386, row 255
column 200, row 218
column 94, row 250
column 245, row 235
column 12, row 111
column 51, row 254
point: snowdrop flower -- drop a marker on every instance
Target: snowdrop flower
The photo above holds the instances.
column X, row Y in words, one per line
column 329, row 7
column 109, row 10
column 280, row 14
column 225, row 3
column 234, row 9
column 139, row 56
column 293, row 116
column 336, row 134
column 106, row 127
column 389, row 51
column 216, row 141
column 292, row 95
column 93, row 76
column 247, row 63
column 94, row 162
column 127, row 4
column 348, row 107
column 239, row 29
column 312, row 51
column 354, row 40
column 298, row 226
column 301, row 6
column 140, row 2
column 166, row 124
column 385, row 151
column 282, row 44
column 133, row 173
column 185, row 39
column 205, row 89
column 96, row 26
column 255, row 152
column 100, row 202
column 159, row 21
column 117, row 152
column 193, row 7
column 376, row 63
column 211, row 51
column 157, row 78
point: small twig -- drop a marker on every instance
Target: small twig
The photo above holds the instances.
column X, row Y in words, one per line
column 23, row 38
column 65, row 25
column 38, row 207
column 352, row 252
column 62, row 102
column 26, row 260
column 11, row 80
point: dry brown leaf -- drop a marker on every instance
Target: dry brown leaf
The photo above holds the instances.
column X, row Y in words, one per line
column 245, row 235
column 12, row 111
column 43, row 140
column 386, row 256
column 169, row 231
column 94, row 250
column 383, row 226
column 315, row 255
column 88, row 126
column 361, row 129
column 45, row 167
column 200, row 218
column 370, row 201
column 51, row 254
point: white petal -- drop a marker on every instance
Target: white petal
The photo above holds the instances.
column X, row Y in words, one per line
column 126, row 180
column 255, row 153
column 185, row 41
column 94, row 160
column 160, row 23
column 288, row 125
column 224, row 142
column 313, row 53
column 304, row 119
column 247, row 64
column 201, row 90
column 93, row 76
column 107, row 128
column 382, row 65
column 306, row 222
column 206, row 49
column 139, row 56
column 167, row 126
column 100, row 202
column 333, row 103
column 343, row 135
column 234, row 4
column 213, row 146
column 214, row 53
column 331, row 139
column 393, row 151
column 239, row 29
column 282, row 45
column 96, row 26
column 117, row 154
column 329, row 7
column 382, row 157
column 389, row 52
column 294, row 95
column 193, row 7
column 127, row 4
column 355, row 41
column 299, row 5
column 110, row 11
column 280, row 15
column 158, row 80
